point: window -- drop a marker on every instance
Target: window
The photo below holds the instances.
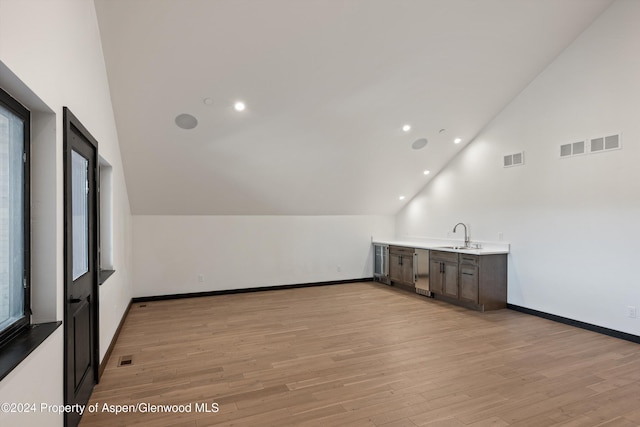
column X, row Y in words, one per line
column 106, row 214
column 14, row 217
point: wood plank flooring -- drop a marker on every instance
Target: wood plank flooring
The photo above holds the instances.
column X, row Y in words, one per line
column 362, row 354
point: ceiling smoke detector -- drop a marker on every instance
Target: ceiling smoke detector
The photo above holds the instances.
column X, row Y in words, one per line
column 186, row 121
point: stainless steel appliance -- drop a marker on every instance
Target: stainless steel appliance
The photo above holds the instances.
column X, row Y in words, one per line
column 421, row 271
column 381, row 263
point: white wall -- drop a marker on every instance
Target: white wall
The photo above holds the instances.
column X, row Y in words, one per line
column 34, row 381
column 573, row 223
column 54, row 54
column 233, row 252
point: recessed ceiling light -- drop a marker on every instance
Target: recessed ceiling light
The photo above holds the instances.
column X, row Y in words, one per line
column 419, row 143
column 406, row 128
column 239, row 106
column 186, row 121
column 401, row 197
column 426, row 172
column 457, row 141
column 208, row 101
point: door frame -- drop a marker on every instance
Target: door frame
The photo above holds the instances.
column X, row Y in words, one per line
column 71, row 123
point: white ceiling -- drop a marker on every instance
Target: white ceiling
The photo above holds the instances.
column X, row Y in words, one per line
column 328, row 85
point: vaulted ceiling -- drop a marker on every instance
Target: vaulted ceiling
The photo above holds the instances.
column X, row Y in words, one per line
column 328, row 86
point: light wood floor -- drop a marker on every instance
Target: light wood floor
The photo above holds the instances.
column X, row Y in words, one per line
column 363, row 354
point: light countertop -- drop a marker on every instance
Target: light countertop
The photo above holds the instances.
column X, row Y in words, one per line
column 488, row 248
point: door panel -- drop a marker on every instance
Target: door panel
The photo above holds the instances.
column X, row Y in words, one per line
column 469, row 283
column 81, row 265
column 435, row 269
column 407, row 269
column 395, row 267
column 81, row 345
column 451, row 279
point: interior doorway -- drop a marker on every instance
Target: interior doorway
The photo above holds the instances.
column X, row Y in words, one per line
column 81, row 352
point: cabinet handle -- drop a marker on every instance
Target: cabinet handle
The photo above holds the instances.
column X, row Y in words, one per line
column 467, row 274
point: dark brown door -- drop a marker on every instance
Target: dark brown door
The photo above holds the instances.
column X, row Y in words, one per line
column 451, row 279
column 435, row 279
column 469, row 283
column 407, row 270
column 81, row 274
column 395, row 267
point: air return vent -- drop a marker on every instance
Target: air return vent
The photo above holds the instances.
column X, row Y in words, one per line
column 125, row 360
column 516, row 159
column 573, row 149
column 605, row 143
column 598, row 144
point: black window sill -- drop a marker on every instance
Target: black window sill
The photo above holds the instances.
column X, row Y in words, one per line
column 21, row 346
column 104, row 275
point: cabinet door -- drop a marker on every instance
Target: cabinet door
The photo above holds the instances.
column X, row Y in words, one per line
column 395, row 267
column 451, row 279
column 435, row 277
column 469, row 283
column 407, row 270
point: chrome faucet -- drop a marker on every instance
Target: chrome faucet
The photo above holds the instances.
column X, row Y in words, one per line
column 466, row 235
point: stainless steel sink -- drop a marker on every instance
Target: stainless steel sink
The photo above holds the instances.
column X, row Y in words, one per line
column 457, row 247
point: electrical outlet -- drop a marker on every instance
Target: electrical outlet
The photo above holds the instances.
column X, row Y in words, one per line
column 500, row 236
column 631, row 312
column 339, row 269
column 201, row 278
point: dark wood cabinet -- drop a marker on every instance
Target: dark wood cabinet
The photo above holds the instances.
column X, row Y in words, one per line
column 468, row 282
column 475, row 281
column 451, row 279
column 436, row 280
column 395, row 267
column 401, row 265
column 492, row 281
column 443, row 270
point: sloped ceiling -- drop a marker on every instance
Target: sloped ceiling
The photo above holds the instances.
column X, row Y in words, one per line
column 328, row 85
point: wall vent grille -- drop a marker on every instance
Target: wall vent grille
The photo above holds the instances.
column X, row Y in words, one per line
column 516, row 159
column 605, row 143
column 573, row 149
column 598, row 144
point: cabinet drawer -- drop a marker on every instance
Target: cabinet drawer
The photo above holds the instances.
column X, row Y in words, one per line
column 444, row 256
column 399, row 250
column 469, row 259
